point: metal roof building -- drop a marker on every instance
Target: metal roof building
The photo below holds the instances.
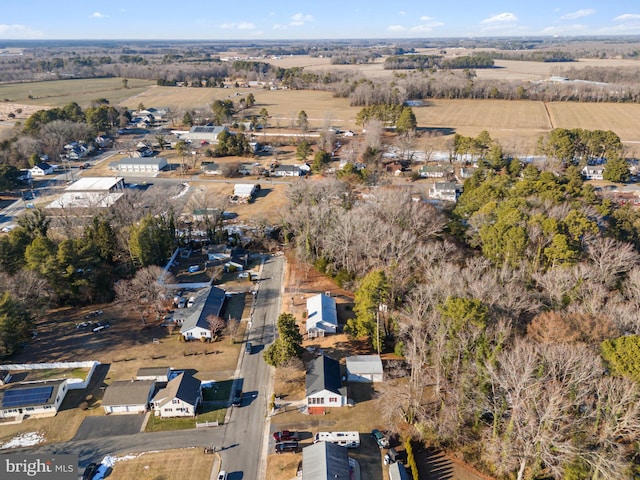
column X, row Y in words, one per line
column 324, row 461
column 322, row 315
column 364, row 368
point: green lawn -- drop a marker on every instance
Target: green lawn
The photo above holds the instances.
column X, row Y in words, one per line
column 219, row 391
column 205, row 414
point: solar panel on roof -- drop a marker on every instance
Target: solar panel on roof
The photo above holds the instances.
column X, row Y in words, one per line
column 23, row 397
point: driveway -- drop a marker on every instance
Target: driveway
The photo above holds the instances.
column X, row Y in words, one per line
column 109, row 426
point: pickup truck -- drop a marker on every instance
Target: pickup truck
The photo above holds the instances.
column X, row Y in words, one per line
column 284, row 436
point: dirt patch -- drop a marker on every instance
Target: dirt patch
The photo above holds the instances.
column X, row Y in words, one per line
column 181, row 463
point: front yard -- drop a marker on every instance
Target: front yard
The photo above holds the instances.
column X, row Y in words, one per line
column 206, row 413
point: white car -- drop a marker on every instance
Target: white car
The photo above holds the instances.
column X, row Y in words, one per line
column 222, row 475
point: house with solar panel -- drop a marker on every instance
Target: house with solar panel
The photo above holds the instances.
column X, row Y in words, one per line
column 322, row 315
column 33, row 399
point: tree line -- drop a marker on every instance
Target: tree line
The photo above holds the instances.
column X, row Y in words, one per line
column 508, row 309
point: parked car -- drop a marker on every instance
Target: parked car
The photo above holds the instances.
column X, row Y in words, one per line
column 247, row 348
column 237, row 398
column 90, row 471
column 182, row 303
column 222, row 475
column 379, row 438
column 193, row 268
column 285, row 435
column 289, row 446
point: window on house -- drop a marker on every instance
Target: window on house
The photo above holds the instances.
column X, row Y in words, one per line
column 333, row 400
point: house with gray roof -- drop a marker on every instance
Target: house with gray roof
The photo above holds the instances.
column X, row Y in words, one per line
column 325, row 461
column 324, row 385
column 180, row 398
column 195, row 325
column 128, row 396
column 448, row 191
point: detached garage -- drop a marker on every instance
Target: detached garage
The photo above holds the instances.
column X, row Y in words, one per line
column 364, row 369
column 124, row 397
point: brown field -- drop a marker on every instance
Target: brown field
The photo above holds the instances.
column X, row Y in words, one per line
column 187, row 463
column 622, row 118
column 61, row 92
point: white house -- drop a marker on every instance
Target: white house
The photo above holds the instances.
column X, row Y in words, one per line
column 41, row 169
column 195, row 325
column 324, row 385
column 35, row 399
column 322, row 315
column 364, row 369
column 128, row 396
column 448, row 191
column 435, row 171
column 595, row 172
column 180, row 398
column 287, row 171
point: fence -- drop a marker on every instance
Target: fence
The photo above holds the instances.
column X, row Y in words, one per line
column 207, row 424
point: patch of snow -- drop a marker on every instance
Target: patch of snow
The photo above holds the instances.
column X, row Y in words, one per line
column 185, row 188
column 207, row 383
column 24, row 440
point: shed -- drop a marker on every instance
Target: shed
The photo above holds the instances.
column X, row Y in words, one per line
column 157, row 374
column 244, row 190
column 364, row 368
column 128, row 396
column 324, row 461
column 322, row 315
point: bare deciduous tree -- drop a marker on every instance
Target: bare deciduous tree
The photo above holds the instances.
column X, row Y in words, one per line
column 146, row 291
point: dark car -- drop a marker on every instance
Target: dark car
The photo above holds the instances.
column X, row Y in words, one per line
column 289, row 446
column 379, row 438
column 237, row 398
column 90, row 471
column 247, row 348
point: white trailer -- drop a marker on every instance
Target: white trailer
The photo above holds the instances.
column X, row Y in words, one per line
column 345, row 439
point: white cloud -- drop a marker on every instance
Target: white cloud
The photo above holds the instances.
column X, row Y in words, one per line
column 18, row 31
column 402, row 12
column 238, row 26
column 505, row 17
column 575, row 29
column 98, row 15
column 279, row 26
column 300, row 19
column 396, row 28
column 633, row 17
column 424, row 18
column 585, row 12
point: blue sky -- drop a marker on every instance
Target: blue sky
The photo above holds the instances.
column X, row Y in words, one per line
column 304, row 19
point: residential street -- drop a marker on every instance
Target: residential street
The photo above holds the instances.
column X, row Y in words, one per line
column 242, row 441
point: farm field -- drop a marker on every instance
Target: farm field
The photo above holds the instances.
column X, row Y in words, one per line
column 57, row 93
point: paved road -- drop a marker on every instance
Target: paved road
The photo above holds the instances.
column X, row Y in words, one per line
column 244, row 448
column 242, row 441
